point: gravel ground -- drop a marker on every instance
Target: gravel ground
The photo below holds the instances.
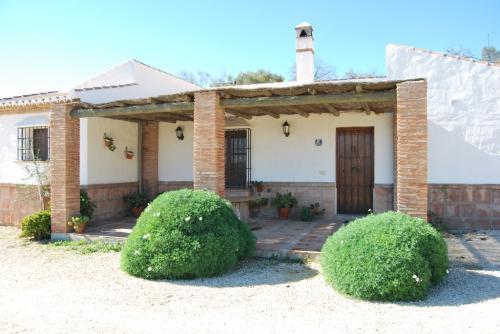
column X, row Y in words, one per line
column 48, row 290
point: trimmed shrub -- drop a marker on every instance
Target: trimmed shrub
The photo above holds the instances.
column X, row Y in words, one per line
column 36, row 226
column 387, row 257
column 186, row 234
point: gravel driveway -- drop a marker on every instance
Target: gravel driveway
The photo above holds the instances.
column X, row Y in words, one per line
column 48, row 290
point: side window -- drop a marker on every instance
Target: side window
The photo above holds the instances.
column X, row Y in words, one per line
column 33, row 143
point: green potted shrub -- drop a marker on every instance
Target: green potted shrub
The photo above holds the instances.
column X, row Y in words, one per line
column 79, row 223
column 136, row 202
column 309, row 213
column 284, row 203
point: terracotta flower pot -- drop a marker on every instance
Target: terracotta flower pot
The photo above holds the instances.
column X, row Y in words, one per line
column 136, row 212
column 129, row 155
column 80, row 228
column 283, row 212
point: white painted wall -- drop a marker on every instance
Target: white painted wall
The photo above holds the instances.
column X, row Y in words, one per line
column 175, row 157
column 281, row 159
column 12, row 170
column 100, row 164
column 463, row 113
column 297, row 159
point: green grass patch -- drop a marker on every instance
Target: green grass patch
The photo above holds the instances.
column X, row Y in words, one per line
column 85, row 247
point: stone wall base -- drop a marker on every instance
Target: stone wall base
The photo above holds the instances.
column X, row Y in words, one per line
column 466, row 206
column 109, row 199
column 306, row 193
column 18, row 201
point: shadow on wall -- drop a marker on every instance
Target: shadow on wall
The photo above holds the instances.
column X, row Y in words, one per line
column 453, row 160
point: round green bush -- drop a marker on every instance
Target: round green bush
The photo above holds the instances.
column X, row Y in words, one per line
column 186, row 234
column 387, row 257
column 36, row 226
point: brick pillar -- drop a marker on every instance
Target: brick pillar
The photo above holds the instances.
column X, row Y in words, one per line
column 410, row 149
column 208, row 162
column 150, row 144
column 64, row 168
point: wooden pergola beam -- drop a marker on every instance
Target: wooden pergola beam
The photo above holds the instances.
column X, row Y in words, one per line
column 299, row 111
column 133, row 110
column 239, row 114
column 269, row 113
column 332, row 110
column 367, row 109
column 282, row 101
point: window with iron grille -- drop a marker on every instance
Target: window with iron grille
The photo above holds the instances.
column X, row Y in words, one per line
column 33, row 142
column 238, row 158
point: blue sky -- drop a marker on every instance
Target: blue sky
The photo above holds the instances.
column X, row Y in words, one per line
column 53, row 45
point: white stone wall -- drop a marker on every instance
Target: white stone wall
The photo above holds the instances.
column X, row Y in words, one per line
column 175, row 157
column 99, row 165
column 12, row 170
column 285, row 159
column 463, row 113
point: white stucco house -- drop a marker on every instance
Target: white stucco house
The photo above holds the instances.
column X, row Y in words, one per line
column 425, row 138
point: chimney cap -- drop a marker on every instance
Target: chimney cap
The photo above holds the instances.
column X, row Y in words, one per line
column 303, row 25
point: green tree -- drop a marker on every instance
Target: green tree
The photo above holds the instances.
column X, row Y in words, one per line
column 259, row 76
column 490, row 54
column 351, row 74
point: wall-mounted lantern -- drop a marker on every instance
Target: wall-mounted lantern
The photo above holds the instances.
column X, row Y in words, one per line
column 179, row 133
column 286, row 128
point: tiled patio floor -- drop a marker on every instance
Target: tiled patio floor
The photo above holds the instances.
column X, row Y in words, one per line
column 275, row 238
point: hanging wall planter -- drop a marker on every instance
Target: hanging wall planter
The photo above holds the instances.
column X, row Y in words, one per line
column 128, row 153
column 109, row 142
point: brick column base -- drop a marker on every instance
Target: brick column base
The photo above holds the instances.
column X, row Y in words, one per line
column 410, row 149
column 208, row 162
column 64, row 168
column 150, row 132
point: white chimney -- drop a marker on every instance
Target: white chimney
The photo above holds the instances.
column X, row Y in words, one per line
column 304, row 55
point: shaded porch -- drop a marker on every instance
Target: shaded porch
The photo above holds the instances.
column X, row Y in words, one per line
column 208, row 112
column 287, row 239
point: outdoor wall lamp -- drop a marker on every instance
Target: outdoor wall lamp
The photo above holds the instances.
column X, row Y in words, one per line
column 179, row 133
column 286, row 128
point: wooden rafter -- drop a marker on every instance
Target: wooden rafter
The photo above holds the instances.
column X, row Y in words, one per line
column 239, row 114
column 332, row 110
column 367, row 109
column 299, row 111
column 282, row 101
column 133, row 110
column 269, row 113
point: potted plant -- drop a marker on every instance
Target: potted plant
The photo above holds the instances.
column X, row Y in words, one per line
column 129, row 154
column 109, row 142
column 79, row 223
column 258, row 186
column 136, row 202
column 311, row 212
column 284, row 203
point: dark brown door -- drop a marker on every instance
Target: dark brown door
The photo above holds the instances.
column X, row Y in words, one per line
column 354, row 170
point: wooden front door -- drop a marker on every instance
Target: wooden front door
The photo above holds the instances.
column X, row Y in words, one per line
column 354, row 170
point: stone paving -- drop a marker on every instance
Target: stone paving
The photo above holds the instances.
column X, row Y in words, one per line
column 303, row 240
column 275, row 237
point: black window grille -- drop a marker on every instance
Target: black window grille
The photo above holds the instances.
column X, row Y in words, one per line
column 33, row 142
column 238, row 158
